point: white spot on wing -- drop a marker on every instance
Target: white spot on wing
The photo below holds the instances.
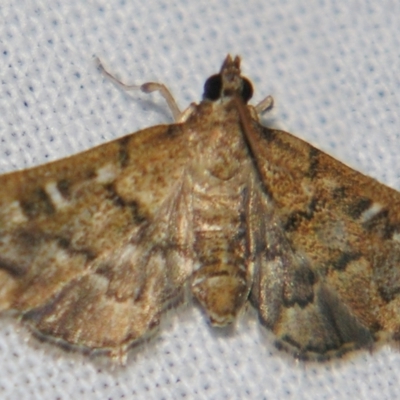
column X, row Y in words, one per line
column 371, row 212
column 56, row 197
column 107, row 174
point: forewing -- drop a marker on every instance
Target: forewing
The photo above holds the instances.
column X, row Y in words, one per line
column 327, row 276
column 92, row 247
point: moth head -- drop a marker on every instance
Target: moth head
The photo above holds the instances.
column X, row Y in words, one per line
column 228, row 82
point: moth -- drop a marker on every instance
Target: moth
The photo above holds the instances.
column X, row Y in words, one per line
column 96, row 247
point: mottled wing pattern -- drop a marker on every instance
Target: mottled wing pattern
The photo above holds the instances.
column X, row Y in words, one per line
column 91, row 240
column 94, row 247
column 327, row 276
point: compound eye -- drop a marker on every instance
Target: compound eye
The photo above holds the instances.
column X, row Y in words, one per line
column 247, row 90
column 213, row 87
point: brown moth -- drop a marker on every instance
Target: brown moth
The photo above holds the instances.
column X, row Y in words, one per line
column 95, row 247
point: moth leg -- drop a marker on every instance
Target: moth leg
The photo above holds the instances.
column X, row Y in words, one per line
column 147, row 87
column 187, row 113
column 264, row 105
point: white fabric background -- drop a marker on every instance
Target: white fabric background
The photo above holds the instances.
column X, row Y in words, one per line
column 334, row 71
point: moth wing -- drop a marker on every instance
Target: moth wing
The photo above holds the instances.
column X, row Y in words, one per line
column 93, row 247
column 327, row 273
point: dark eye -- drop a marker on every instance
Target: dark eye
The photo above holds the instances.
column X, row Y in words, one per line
column 247, row 90
column 212, row 87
